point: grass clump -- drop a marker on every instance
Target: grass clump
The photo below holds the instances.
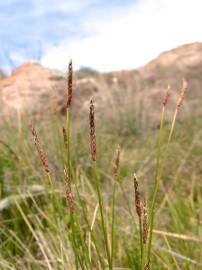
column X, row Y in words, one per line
column 83, row 212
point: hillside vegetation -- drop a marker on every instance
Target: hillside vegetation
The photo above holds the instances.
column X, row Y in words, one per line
column 112, row 182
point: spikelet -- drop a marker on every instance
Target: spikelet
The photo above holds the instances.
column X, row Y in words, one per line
column 69, row 84
column 68, row 191
column 137, row 197
column 116, row 164
column 92, row 131
column 166, row 96
column 40, row 150
column 182, row 94
column 145, row 223
column 64, row 133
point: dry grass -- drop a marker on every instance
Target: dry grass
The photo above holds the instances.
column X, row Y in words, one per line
column 101, row 229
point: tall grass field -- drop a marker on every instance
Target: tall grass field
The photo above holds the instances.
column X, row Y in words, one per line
column 104, row 191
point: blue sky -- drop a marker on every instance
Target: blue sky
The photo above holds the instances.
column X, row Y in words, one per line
column 103, row 34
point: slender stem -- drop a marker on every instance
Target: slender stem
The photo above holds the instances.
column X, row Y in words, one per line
column 90, row 229
column 50, row 181
column 141, row 242
column 156, row 184
column 143, row 257
column 52, row 188
column 73, row 218
column 54, row 197
column 90, row 232
column 83, row 245
column 101, row 213
column 77, row 259
column 113, row 224
column 172, row 126
column 158, row 173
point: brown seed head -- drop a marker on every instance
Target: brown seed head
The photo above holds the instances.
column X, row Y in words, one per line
column 166, row 96
column 68, row 191
column 64, row 133
column 92, row 131
column 145, row 224
column 40, row 150
column 137, row 197
column 182, row 93
column 69, row 84
column 116, row 164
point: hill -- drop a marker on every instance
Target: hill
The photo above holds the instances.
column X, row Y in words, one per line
column 34, row 89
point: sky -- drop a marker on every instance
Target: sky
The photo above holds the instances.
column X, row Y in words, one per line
column 104, row 35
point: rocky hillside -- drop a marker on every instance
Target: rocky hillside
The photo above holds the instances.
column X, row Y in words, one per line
column 33, row 88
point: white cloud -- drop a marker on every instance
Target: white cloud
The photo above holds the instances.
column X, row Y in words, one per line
column 131, row 37
column 41, row 7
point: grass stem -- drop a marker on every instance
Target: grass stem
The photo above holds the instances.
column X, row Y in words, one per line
column 156, row 184
column 101, row 209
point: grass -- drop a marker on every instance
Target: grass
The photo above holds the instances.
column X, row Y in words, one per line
column 62, row 208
